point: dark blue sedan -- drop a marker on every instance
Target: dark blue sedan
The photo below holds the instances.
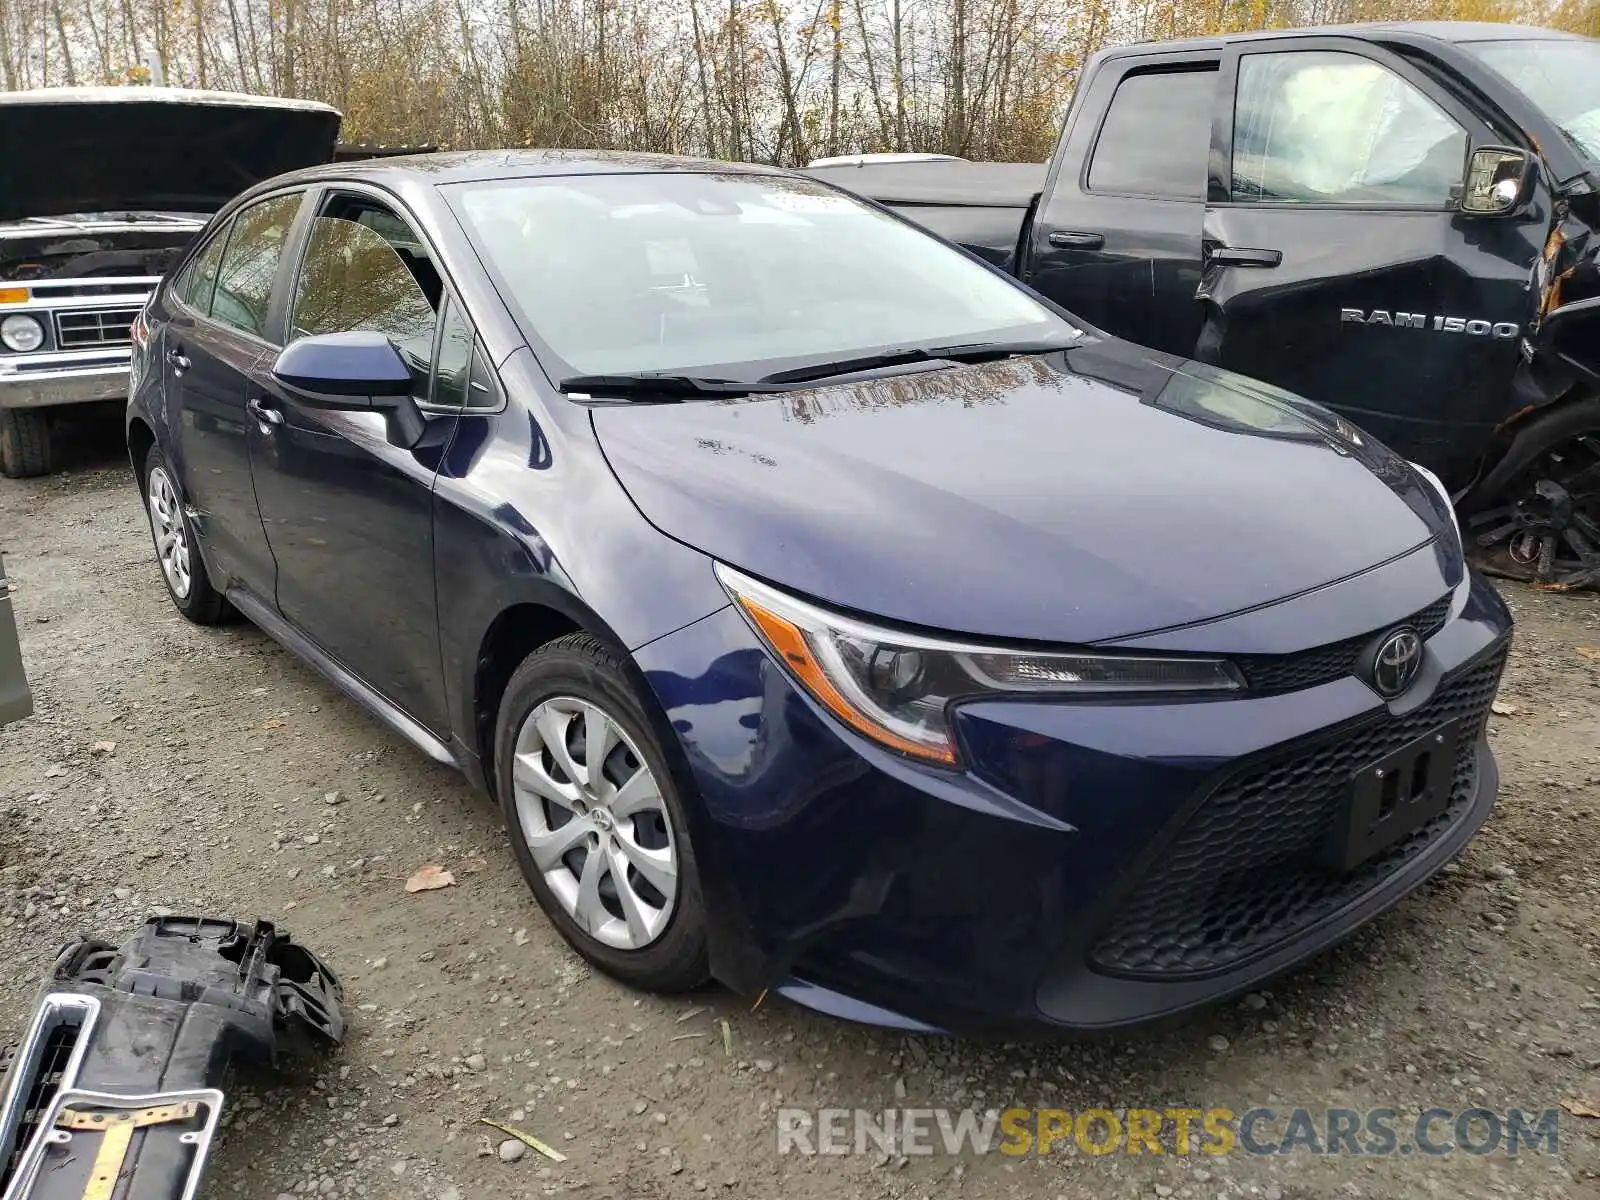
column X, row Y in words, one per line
column 828, row 613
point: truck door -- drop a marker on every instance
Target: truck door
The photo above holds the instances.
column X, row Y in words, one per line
column 1117, row 236
column 1337, row 264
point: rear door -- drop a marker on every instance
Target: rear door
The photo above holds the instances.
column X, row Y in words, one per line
column 1117, row 236
column 1338, row 265
column 216, row 335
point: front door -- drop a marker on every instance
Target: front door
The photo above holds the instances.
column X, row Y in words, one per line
column 216, row 334
column 1338, row 264
column 1119, row 242
column 349, row 516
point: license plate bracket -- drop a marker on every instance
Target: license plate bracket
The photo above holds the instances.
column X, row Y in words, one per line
column 1393, row 797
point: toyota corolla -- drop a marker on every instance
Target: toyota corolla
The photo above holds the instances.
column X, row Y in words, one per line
column 829, row 613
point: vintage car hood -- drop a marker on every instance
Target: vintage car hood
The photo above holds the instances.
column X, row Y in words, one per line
column 75, row 150
column 1074, row 497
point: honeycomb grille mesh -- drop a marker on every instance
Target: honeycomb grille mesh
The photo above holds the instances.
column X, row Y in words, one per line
column 1307, row 668
column 1242, row 876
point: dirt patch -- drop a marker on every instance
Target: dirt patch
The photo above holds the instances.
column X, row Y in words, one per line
column 1481, row 990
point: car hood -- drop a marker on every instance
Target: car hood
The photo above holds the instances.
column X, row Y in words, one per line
column 75, row 150
column 1075, row 497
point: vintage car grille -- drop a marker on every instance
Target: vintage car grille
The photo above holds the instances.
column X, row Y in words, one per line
column 76, row 329
column 1307, row 668
column 1243, row 875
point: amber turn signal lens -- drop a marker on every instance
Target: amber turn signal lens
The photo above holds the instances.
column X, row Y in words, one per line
column 791, row 645
column 13, row 295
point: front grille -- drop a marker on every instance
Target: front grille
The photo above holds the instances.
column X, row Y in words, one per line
column 94, row 327
column 43, row 1085
column 1243, row 875
column 1307, row 668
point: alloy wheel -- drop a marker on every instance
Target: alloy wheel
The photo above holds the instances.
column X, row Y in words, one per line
column 1545, row 527
column 172, row 535
column 595, row 821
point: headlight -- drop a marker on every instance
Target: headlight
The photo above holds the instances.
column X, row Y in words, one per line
column 21, row 333
column 897, row 688
column 1444, row 498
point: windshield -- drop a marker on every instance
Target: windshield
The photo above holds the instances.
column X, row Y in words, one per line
column 728, row 275
column 1562, row 78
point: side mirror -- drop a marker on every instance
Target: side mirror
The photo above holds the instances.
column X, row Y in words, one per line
column 1497, row 179
column 353, row 372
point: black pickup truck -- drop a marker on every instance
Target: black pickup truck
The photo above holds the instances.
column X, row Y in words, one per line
column 1401, row 221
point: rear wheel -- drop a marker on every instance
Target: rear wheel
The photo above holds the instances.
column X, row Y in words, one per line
column 182, row 569
column 595, row 817
column 1543, row 525
column 24, row 443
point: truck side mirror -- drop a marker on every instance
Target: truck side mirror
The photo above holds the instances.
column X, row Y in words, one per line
column 1497, row 178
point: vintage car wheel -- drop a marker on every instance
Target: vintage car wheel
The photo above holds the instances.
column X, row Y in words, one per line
column 595, row 817
column 182, row 568
column 24, row 443
column 1543, row 526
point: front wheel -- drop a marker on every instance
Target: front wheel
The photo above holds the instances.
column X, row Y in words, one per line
column 595, row 817
column 1543, row 525
column 176, row 550
column 25, row 449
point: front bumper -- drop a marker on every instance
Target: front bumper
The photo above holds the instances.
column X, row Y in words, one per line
column 1096, row 865
column 46, row 380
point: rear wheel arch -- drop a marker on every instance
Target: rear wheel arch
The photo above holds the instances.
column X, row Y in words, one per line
column 141, row 440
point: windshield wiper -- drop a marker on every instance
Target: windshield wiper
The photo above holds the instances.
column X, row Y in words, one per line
column 668, row 386
column 970, row 352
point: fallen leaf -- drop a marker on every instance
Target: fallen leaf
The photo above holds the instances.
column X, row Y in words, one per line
column 727, row 1038
column 274, row 723
column 430, row 879
column 692, row 1013
column 104, row 747
column 1589, row 652
column 527, row 1139
column 1503, row 708
column 1581, row 1108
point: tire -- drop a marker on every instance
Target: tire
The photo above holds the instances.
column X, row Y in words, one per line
column 1532, row 515
column 189, row 589
column 25, row 449
column 564, row 680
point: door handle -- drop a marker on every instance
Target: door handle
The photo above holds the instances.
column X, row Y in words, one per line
column 1240, row 256
column 178, row 361
column 268, row 417
column 1072, row 239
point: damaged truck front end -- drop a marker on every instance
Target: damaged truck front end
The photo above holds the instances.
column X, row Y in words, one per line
column 1534, row 509
column 101, row 189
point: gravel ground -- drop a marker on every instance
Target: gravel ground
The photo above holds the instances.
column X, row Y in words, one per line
column 241, row 783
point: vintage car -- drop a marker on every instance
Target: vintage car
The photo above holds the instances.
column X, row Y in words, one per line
column 101, row 189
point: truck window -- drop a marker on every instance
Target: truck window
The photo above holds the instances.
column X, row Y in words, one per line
column 1156, row 138
column 1325, row 127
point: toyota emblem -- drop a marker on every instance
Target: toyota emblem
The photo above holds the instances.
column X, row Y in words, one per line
column 1395, row 663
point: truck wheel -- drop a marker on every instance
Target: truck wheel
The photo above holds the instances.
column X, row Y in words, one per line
column 24, row 443
column 1542, row 524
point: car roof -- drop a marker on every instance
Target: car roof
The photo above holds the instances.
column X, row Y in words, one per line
column 158, row 95
column 1440, row 31
column 463, row 166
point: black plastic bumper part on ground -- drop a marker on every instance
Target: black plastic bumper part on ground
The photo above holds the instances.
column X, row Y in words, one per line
column 114, row 1088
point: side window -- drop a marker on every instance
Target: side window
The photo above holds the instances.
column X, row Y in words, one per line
column 356, row 277
column 1156, row 140
column 250, row 263
column 200, row 276
column 1325, row 127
